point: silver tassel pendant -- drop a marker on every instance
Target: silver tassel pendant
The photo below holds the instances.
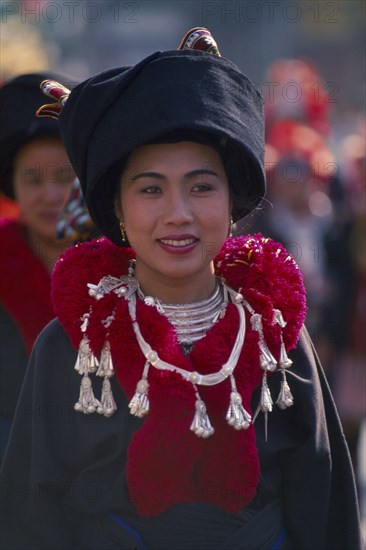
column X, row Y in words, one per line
column 265, row 404
column 201, row 424
column 284, row 361
column 108, row 404
column 285, row 398
column 86, row 362
column 105, row 363
column 87, row 403
column 139, row 404
column 266, row 398
column 266, row 359
column 106, row 369
column 236, row 415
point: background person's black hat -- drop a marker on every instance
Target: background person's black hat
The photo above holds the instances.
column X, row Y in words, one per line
column 19, row 99
column 167, row 96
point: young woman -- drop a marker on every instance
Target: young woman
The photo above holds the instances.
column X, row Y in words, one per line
column 176, row 451
column 35, row 171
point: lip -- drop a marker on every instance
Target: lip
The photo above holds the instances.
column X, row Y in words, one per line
column 178, row 244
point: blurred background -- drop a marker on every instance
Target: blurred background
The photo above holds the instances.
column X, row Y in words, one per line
column 308, row 59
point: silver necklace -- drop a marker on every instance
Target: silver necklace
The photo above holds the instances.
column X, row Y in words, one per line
column 127, row 287
column 236, row 415
column 192, row 321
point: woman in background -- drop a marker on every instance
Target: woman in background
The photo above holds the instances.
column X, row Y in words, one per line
column 36, row 173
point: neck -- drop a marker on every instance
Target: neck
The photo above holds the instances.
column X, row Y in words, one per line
column 46, row 250
column 177, row 290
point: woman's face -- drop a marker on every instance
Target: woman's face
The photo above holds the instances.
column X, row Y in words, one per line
column 174, row 201
column 42, row 182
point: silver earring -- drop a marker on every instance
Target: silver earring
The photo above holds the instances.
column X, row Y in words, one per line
column 123, row 230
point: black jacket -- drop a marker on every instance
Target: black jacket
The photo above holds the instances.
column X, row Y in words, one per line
column 64, row 487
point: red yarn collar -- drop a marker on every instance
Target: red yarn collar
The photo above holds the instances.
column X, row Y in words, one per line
column 224, row 469
column 24, row 283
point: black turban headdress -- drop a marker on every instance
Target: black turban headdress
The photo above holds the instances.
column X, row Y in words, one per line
column 19, row 99
column 188, row 94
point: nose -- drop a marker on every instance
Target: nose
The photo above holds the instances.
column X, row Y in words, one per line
column 178, row 210
column 54, row 192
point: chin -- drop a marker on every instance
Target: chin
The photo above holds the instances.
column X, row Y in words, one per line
column 183, row 272
column 45, row 234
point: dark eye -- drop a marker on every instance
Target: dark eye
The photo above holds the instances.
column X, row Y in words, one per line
column 201, row 188
column 65, row 176
column 32, row 178
column 63, row 179
column 151, row 190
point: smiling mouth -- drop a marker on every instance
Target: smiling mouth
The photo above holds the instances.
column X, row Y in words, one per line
column 179, row 244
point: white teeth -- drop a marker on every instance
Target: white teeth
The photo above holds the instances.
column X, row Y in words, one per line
column 182, row 243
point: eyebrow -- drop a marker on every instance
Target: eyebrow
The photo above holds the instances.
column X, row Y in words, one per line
column 188, row 175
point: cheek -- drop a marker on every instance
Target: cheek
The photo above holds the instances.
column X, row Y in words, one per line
column 64, row 192
column 139, row 214
column 215, row 225
column 217, row 214
column 125, row 204
column 26, row 198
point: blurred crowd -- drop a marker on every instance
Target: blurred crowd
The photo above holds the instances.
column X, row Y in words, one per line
column 315, row 206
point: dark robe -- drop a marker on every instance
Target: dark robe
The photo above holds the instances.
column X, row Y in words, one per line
column 64, row 481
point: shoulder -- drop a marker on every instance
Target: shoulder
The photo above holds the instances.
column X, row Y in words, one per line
column 11, row 232
column 96, row 256
column 16, row 253
column 24, row 281
column 89, row 262
column 8, row 224
column 53, row 347
column 83, row 264
column 12, row 345
column 50, row 376
column 269, row 279
column 254, row 261
column 53, row 335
